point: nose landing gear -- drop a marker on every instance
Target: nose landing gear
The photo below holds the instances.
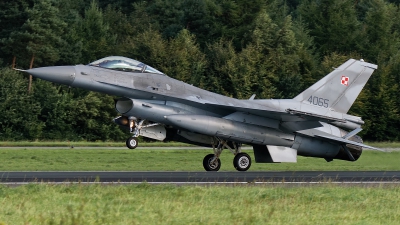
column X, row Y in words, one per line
column 134, row 128
column 135, row 125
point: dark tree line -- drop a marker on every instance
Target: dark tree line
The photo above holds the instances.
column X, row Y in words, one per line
column 271, row 48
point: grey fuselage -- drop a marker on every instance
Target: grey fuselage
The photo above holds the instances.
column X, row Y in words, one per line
column 292, row 123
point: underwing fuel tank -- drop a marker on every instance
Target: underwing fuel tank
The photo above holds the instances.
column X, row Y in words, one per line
column 231, row 130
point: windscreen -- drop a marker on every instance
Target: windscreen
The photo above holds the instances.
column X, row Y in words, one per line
column 124, row 64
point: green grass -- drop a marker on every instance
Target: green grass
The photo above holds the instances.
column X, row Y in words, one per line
column 386, row 144
column 167, row 204
column 66, row 159
column 142, row 144
column 85, row 144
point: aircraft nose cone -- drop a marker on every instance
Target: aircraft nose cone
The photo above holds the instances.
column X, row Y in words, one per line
column 57, row 74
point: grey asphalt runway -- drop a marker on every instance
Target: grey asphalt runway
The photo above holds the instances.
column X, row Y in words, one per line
column 202, row 177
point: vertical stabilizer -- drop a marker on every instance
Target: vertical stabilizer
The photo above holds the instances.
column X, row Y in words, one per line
column 339, row 89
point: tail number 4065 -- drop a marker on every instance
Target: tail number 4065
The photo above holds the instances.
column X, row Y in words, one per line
column 314, row 100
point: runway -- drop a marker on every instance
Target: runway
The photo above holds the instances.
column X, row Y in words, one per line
column 204, row 177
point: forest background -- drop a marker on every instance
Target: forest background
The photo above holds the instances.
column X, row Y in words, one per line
column 271, row 48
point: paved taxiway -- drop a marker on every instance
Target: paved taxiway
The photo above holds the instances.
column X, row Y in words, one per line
column 203, row 177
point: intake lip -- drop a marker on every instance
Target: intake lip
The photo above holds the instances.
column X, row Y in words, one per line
column 124, row 105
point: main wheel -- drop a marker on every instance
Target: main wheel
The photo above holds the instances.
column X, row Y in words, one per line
column 132, row 143
column 242, row 162
column 208, row 165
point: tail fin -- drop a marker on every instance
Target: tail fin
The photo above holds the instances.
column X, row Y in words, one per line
column 339, row 89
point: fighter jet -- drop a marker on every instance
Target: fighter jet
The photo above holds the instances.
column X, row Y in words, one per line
column 315, row 123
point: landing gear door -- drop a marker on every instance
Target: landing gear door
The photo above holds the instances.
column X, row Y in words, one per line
column 157, row 132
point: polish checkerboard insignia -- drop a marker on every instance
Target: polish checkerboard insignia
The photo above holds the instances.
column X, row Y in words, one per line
column 345, row 80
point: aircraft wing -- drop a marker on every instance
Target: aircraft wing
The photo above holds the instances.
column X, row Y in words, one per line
column 346, row 141
column 285, row 116
column 292, row 119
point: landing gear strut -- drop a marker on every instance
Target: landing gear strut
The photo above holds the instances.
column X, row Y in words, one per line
column 135, row 126
column 241, row 162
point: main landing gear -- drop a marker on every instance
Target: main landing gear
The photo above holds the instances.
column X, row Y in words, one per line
column 211, row 163
column 241, row 162
column 135, row 126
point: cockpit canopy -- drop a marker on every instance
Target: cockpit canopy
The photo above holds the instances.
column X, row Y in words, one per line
column 124, row 64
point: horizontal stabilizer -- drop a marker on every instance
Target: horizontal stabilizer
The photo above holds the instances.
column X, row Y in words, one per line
column 282, row 154
column 340, row 140
column 352, row 133
column 313, row 115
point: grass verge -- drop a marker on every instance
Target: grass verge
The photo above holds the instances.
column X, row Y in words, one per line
column 167, row 204
column 66, row 159
column 142, row 144
column 86, row 144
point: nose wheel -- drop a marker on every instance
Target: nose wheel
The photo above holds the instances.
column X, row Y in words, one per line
column 132, row 142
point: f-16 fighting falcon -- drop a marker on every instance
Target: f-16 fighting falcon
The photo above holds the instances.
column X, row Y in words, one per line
column 315, row 123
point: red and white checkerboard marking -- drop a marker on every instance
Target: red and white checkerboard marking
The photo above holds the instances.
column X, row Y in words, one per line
column 345, row 81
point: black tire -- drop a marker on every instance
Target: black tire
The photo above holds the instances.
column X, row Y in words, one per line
column 242, row 162
column 211, row 167
column 132, row 143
